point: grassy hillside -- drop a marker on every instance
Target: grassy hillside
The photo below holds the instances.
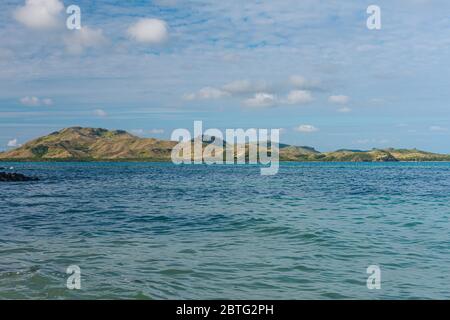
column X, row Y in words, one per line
column 91, row 144
column 94, row 144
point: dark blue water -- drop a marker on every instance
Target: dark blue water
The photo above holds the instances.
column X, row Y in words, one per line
column 156, row 230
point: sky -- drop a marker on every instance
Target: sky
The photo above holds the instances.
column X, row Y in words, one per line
column 309, row 67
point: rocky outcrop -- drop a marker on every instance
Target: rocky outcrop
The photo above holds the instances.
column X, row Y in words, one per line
column 15, row 177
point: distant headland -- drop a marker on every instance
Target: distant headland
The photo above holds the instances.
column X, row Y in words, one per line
column 96, row 144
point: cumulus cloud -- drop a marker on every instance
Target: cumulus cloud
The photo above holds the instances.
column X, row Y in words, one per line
column 259, row 97
column 156, row 131
column 344, row 110
column 84, row 38
column 152, row 31
column 261, row 100
column 35, row 101
column 255, row 93
column 306, row 128
column 13, row 143
column 100, row 113
column 339, row 99
column 299, row 97
column 234, row 88
column 39, row 14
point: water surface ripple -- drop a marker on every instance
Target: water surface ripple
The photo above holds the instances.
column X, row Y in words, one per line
column 158, row 231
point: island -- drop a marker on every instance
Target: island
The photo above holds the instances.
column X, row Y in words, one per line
column 97, row 144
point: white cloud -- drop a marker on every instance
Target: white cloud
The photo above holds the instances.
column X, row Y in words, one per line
column 39, row 14
column 156, row 131
column 35, row 101
column 438, row 129
column 243, row 86
column 339, row 99
column 152, row 31
column 206, row 93
column 261, row 99
column 306, row 128
column 100, row 113
column 344, row 110
column 299, row 97
column 84, row 38
column 13, row 143
column 238, row 87
column 211, row 93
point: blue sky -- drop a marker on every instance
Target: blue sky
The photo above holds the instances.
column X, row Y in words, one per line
column 310, row 67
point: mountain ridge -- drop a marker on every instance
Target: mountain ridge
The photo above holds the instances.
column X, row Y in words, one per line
column 98, row 144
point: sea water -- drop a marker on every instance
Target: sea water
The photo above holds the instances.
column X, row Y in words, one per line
column 159, row 231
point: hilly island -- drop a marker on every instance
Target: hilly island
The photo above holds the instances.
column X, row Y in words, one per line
column 96, row 144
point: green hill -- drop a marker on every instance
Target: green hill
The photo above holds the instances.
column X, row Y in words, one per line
column 91, row 144
column 95, row 144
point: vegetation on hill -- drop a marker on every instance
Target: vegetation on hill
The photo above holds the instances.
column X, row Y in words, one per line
column 95, row 144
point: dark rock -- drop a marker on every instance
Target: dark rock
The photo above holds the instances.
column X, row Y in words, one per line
column 15, row 177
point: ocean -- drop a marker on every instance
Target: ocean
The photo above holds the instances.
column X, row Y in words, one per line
column 161, row 231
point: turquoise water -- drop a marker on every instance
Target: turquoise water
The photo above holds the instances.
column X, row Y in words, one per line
column 158, row 231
